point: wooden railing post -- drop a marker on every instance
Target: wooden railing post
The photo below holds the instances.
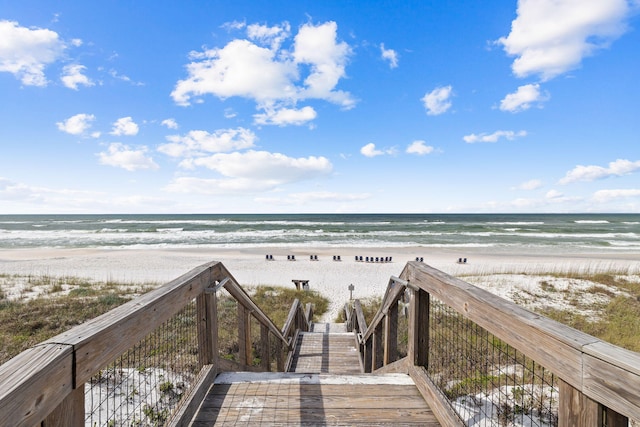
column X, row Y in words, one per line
column 244, row 336
column 265, row 351
column 577, row 409
column 280, row 357
column 367, row 355
column 207, row 312
column 377, row 353
column 391, row 335
column 70, row 413
column 418, row 346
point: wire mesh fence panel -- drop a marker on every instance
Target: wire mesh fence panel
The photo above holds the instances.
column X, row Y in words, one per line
column 486, row 381
column 228, row 343
column 145, row 384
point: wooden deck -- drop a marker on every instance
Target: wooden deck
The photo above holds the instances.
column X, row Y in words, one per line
column 325, row 387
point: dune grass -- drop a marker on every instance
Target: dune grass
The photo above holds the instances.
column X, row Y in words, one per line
column 618, row 319
column 45, row 306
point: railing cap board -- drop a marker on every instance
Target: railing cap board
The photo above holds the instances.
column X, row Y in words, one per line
column 553, row 345
column 362, row 323
column 102, row 339
column 291, row 317
column 391, row 297
column 245, row 300
column 602, row 371
column 34, row 383
column 610, row 368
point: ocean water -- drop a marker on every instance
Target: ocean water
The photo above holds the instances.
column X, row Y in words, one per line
column 539, row 232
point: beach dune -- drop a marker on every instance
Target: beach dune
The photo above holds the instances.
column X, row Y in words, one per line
column 327, row 276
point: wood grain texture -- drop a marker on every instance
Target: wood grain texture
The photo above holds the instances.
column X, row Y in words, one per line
column 34, row 383
column 297, row 399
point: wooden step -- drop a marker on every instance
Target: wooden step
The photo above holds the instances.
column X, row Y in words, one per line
column 286, row 399
column 318, row 352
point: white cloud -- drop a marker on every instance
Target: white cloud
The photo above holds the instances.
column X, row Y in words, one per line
column 25, row 52
column 260, row 69
column 124, row 126
column 124, row 78
column 298, row 199
column 370, row 150
column 551, row 37
column 272, row 36
column 602, row 196
column 286, row 116
column 493, row 137
column 264, row 165
column 591, row 173
column 420, row 148
column 72, row 76
column 438, row 101
column 241, row 68
column 251, row 171
column 389, row 55
column 553, row 195
column 200, row 142
column 76, row 125
column 170, row 123
column 523, row 98
column 317, row 46
column 532, row 184
column 122, row 156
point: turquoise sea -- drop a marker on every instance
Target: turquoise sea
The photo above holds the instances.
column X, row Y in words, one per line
column 577, row 232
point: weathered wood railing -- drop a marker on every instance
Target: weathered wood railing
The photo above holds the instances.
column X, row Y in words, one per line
column 598, row 383
column 45, row 385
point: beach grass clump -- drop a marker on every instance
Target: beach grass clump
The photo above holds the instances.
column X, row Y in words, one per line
column 275, row 302
column 60, row 304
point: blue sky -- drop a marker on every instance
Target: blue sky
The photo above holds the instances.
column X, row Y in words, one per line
column 308, row 106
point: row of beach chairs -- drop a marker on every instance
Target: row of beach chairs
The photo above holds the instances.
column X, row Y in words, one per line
column 269, row 257
column 374, row 259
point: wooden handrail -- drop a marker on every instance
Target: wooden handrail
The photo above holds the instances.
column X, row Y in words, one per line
column 598, row 370
column 394, row 290
column 236, row 291
column 38, row 380
column 598, row 373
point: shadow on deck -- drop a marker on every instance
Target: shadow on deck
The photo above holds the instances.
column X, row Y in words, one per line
column 324, row 386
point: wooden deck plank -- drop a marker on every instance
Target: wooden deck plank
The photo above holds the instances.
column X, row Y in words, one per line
column 300, row 399
column 326, row 352
column 325, row 386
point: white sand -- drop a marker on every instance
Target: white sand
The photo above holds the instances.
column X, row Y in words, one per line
column 330, row 278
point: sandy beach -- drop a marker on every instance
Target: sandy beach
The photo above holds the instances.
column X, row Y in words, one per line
column 330, row 278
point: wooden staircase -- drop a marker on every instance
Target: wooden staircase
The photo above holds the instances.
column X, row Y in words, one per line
column 324, row 386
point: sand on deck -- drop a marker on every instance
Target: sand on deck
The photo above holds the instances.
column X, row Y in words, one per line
column 328, row 277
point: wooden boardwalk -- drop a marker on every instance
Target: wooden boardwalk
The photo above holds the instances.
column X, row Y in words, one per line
column 325, row 387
